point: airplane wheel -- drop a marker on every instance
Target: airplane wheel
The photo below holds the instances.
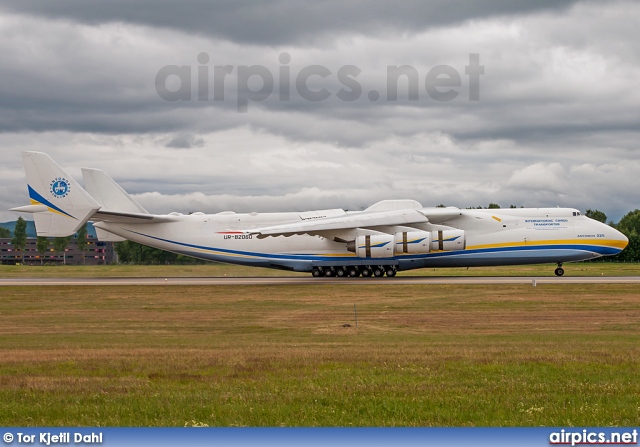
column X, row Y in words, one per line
column 378, row 272
column 353, row 272
column 391, row 273
column 366, row 273
column 316, row 273
column 340, row 272
column 328, row 272
column 559, row 271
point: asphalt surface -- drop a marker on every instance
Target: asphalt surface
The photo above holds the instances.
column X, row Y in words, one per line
column 299, row 280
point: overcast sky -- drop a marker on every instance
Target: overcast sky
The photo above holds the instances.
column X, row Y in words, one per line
column 306, row 117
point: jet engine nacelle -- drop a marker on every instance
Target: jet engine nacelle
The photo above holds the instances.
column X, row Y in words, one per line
column 373, row 246
column 448, row 240
column 412, row 242
column 406, row 242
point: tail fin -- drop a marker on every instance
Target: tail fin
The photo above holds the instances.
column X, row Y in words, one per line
column 59, row 204
column 108, row 193
column 112, row 198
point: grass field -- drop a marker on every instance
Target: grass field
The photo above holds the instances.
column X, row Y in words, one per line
column 215, row 270
column 281, row 355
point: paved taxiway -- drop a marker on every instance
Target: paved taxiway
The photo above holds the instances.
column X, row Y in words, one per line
column 298, row 280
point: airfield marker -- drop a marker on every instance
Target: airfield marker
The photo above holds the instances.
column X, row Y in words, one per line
column 355, row 313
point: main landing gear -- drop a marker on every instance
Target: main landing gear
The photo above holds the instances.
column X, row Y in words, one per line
column 559, row 271
column 354, row 271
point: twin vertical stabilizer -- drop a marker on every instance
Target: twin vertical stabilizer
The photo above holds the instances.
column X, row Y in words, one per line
column 108, row 193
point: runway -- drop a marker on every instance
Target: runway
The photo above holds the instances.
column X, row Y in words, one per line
column 297, row 280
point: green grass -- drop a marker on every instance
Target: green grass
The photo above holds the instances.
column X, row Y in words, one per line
column 216, row 270
column 156, row 271
column 280, row 355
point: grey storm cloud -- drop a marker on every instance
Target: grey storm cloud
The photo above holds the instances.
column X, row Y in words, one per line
column 277, row 22
column 99, row 78
column 185, row 141
column 555, row 122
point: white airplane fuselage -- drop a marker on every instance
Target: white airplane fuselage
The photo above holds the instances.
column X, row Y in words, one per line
column 493, row 237
column 389, row 236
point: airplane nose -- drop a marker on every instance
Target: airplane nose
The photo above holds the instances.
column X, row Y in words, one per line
column 621, row 239
column 615, row 240
column 624, row 239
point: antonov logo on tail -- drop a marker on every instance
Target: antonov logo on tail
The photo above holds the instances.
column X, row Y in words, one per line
column 59, row 187
column 387, row 237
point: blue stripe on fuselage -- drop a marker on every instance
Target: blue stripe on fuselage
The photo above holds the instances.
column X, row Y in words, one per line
column 601, row 250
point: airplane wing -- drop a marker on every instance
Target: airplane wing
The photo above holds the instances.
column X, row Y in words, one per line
column 106, row 216
column 368, row 220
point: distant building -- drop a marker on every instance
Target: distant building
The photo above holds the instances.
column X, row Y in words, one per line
column 96, row 253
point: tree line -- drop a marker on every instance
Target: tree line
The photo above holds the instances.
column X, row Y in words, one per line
column 130, row 252
column 629, row 225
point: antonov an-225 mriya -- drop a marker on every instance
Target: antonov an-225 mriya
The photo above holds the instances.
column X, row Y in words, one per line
column 387, row 237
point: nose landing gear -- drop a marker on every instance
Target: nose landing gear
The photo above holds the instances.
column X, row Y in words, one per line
column 559, row 271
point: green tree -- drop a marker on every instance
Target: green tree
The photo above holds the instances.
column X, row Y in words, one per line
column 123, row 252
column 596, row 215
column 81, row 240
column 629, row 225
column 133, row 253
column 493, row 206
column 19, row 240
column 60, row 244
column 42, row 245
column 5, row 232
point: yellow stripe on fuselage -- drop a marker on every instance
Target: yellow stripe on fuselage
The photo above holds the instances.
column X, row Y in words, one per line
column 586, row 241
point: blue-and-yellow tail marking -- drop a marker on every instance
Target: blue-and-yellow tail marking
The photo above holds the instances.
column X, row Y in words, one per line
column 37, row 199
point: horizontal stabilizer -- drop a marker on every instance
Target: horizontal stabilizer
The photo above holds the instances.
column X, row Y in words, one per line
column 112, row 216
column 30, row 209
